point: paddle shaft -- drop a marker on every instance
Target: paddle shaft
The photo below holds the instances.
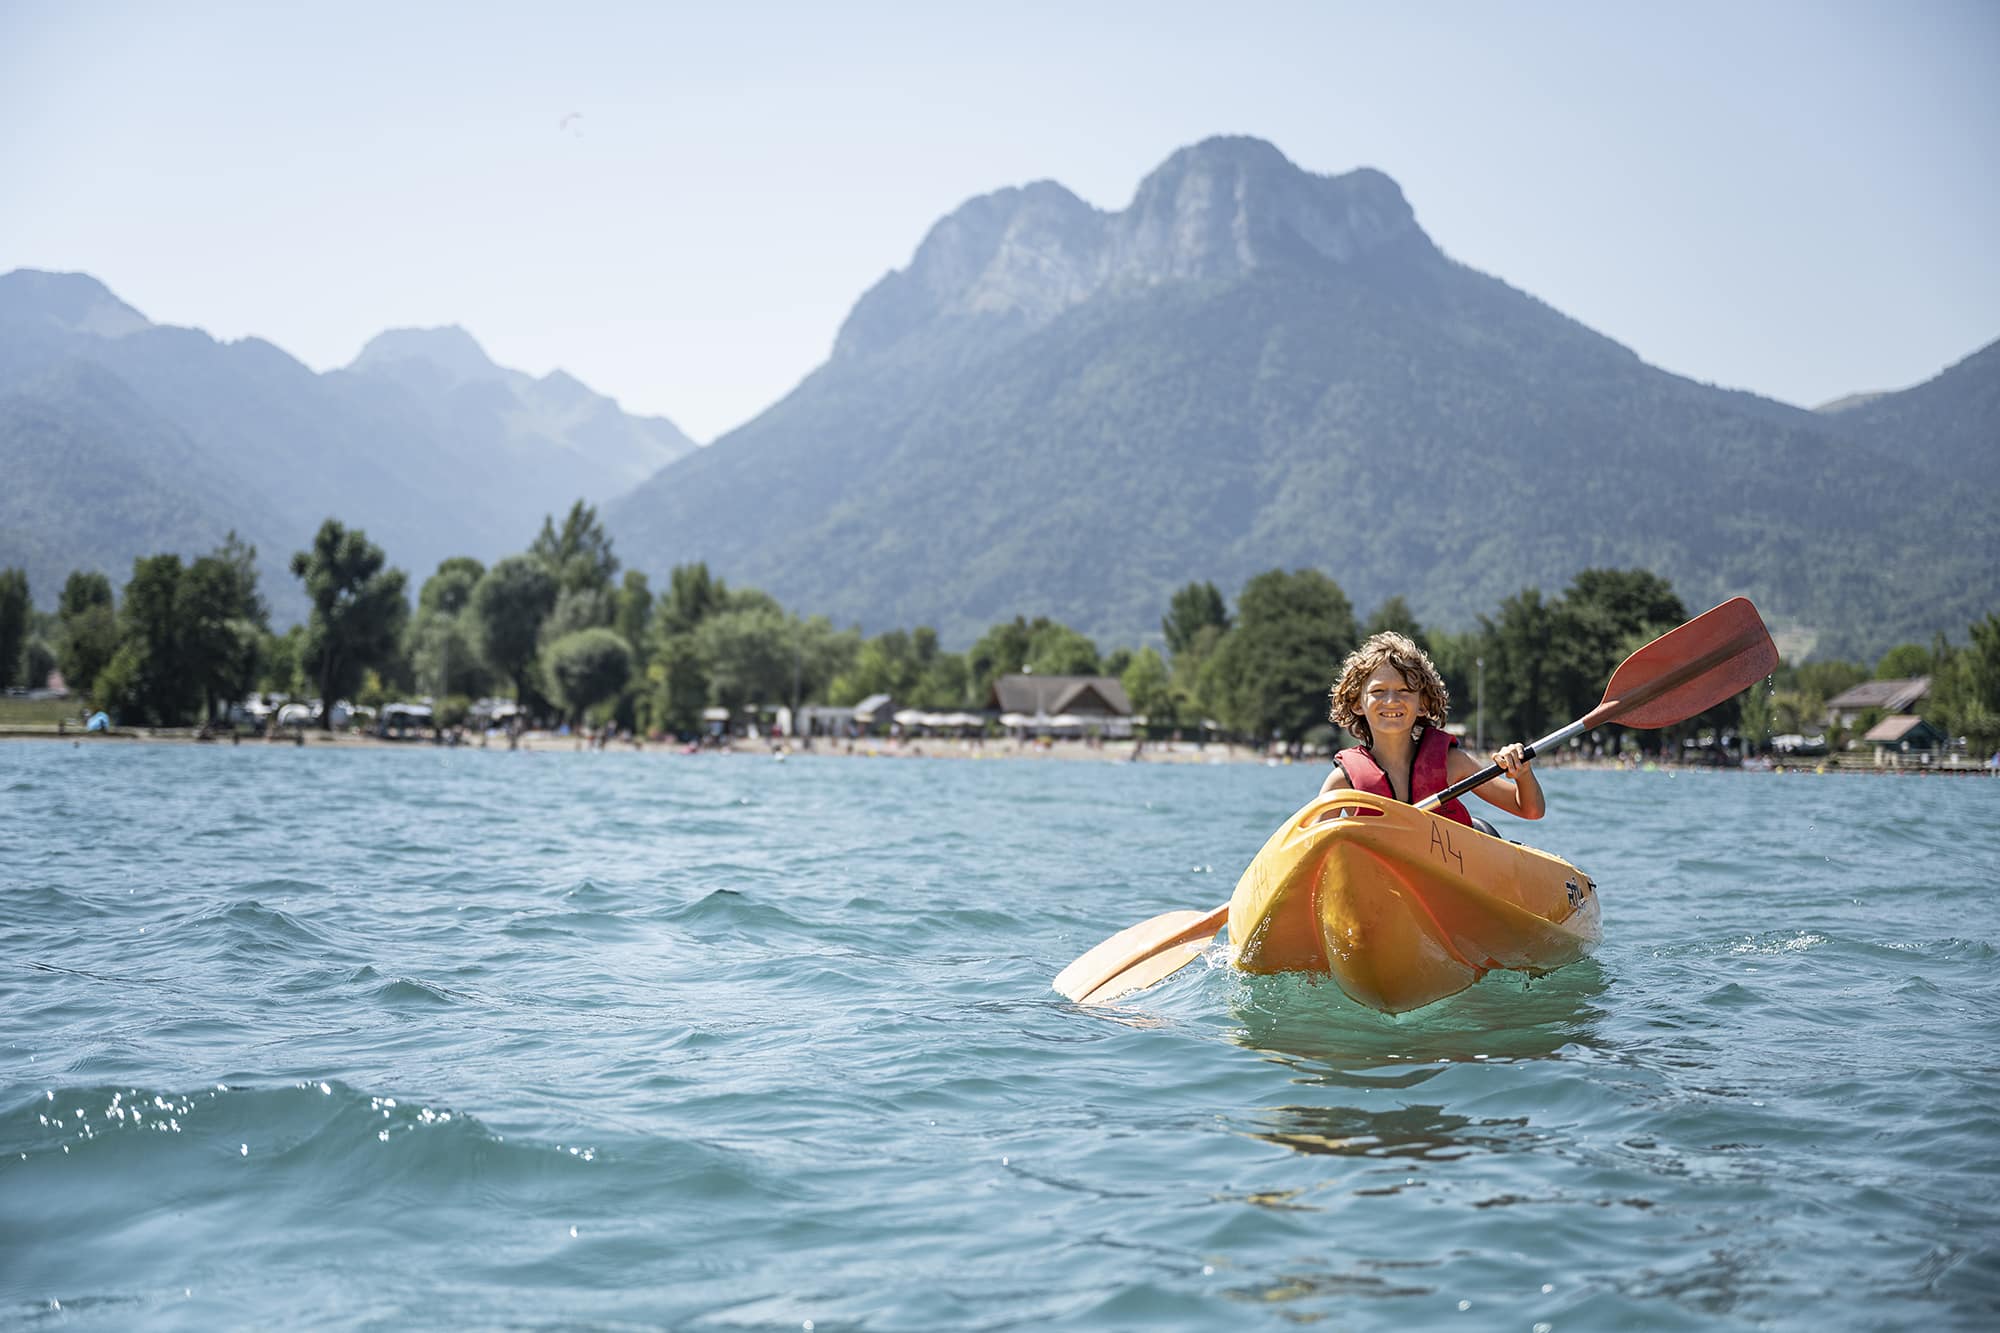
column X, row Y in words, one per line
column 1735, row 650
column 1492, row 771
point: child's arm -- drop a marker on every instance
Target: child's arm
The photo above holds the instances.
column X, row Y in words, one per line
column 1518, row 793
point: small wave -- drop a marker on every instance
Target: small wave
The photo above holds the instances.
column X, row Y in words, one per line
column 1797, row 942
column 408, row 992
column 56, row 904
column 568, row 925
column 589, row 891
column 247, row 926
column 323, row 1125
column 1951, row 947
column 731, row 907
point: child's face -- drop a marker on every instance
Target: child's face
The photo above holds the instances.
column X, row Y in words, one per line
column 1389, row 702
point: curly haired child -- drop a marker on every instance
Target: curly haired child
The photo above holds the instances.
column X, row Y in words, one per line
column 1389, row 694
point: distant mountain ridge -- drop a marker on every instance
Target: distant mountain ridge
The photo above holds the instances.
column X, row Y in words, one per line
column 1056, row 410
column 120, row 438
column 1950, row 422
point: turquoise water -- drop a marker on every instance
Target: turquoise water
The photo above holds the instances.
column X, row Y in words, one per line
column 435, row 1038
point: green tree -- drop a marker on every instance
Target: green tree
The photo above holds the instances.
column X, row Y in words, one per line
column 1192, row 609
column 1395, row 617
column 1270, row 674
column 1457, row 657
column 690, row 596
column 891, row 663
column 579, row 554
column 1519, row 690
column 449, row 591
column 15, row 605
column 1150, row 687
column 1042, row 646
column 38, row 655
column 358, row 611
column 89, row 629
column 586, row 668
column 508, row 605
column 675, row 687
column 1058, row 650
column 944, row 685
column 579, row 608
column 148, row 678
column 222, row 623
column 748, row 652
column 634, row 614
column 1604, row 616
column 279, row 655
column 441, row 643
column 82, row 590
column 1965, row 691
column 825, row 652
column 1002, row 651
column 1904, row 661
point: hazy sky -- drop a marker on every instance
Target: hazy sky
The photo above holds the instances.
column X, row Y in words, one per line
column 679, row 203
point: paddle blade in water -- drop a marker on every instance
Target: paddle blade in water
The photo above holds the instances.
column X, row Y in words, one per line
column 1140, row 955
column 1150, row 971
column 1690, row 670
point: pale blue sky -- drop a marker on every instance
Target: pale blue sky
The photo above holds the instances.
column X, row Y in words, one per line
column 1798, row 199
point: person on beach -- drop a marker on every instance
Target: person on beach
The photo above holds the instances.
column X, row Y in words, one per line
column 1390, row 695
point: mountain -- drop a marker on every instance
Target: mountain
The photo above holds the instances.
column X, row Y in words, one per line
column 120, row 438
column 1058, row 410
column 547, row 428
column 1950, row 422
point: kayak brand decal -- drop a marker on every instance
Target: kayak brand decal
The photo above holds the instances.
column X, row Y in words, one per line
column 1442, row 844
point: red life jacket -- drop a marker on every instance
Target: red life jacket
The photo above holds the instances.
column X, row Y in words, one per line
column 1429, row 773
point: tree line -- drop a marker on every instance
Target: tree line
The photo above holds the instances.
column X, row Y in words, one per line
column 561, row 630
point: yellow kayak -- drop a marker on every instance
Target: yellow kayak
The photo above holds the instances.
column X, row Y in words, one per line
column 1403, row 907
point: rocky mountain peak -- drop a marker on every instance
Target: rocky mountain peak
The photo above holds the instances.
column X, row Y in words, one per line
column 1215, row 210
column 1228, row 205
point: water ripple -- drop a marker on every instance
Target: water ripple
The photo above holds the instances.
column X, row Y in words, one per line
column 710, row 1043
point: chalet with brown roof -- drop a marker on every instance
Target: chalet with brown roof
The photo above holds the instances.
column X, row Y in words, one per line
column 1061, row 702
column 1889, row 696
column 1905, row 732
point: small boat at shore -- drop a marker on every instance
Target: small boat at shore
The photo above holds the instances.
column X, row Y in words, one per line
column 1403, row 907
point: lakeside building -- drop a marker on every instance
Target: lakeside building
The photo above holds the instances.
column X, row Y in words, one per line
column 1885, row 696
column 1061, row 705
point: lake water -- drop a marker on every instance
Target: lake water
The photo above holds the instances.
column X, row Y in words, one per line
column 456, row 1038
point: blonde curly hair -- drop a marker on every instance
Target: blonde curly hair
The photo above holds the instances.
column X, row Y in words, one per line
column 1391, row 649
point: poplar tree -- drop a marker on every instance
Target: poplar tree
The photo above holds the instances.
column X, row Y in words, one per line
column 358, row 611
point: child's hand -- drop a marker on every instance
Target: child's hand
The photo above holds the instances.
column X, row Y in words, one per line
column 1512, row 759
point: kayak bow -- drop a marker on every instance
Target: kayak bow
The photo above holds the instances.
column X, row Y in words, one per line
column 1402, row 907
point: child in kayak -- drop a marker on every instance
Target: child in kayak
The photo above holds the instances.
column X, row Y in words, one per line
column 1390, row 695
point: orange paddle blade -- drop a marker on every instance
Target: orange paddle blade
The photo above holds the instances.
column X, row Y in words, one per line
column 1140, row 955
column 1689, row 670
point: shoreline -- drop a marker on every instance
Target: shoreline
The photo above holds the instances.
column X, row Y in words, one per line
column 1007, row 750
